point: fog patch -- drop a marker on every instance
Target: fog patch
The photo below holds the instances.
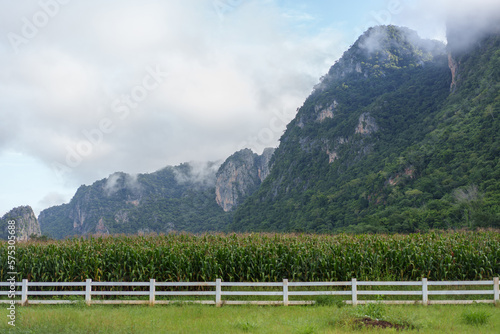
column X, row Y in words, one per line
column 464, row 29
column 118, row 181
column 197, row 173
column 374, row 40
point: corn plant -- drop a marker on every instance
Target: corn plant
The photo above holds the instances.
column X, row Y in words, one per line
column 260, row 257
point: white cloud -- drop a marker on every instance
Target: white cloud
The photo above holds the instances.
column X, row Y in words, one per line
column 198, row 172
column 225, row 79
column 118, row 181
column 51, row 199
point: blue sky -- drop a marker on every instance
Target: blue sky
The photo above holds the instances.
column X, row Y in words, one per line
column 342, row 14
column 90, row 88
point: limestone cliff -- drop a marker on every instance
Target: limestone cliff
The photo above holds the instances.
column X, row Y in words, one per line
column 240, row 175
column 452, row 63
column 263, row 163
column 25, row 222
column 366, row 124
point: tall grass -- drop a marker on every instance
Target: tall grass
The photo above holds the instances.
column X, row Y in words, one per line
column 475, row 317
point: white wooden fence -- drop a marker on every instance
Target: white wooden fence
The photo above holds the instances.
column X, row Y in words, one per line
column 357, row 288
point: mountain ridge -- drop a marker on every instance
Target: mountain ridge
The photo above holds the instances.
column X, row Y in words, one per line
column 402, row 134
column 190, row 197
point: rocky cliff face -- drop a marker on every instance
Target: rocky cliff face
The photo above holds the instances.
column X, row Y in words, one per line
column 240, row 175
column 25, row 222
column 263, row 163
column 452, row 63
column 366, row 124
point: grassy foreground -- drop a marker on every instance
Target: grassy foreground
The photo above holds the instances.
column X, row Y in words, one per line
column 77, row 319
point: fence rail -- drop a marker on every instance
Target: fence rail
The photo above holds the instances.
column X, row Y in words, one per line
column 350, row 288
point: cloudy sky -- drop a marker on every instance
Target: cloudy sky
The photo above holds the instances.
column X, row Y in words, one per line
column 88, row 88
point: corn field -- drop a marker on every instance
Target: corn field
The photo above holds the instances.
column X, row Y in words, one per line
column 260, row 257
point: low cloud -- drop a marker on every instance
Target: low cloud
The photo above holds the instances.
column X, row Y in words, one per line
column 465, row 28
column 378, row 39
column 197, row 173
column 119, row 181
column 430, row 17
column 459, row 23
column 374, row 40
column 51, row 199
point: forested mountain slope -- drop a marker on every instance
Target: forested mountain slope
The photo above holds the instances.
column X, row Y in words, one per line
column 191, row 197
column 401, row 135
column 173, row 198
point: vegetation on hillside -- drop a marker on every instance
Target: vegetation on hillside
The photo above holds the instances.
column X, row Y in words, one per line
column 174, row 198
column 433, row 161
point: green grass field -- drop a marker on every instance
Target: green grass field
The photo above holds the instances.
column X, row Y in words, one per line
column 181, row 318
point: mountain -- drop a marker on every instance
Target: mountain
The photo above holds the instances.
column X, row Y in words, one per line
column 401, row 135
column 240, row 175
column 191, row 197
column 26, row 224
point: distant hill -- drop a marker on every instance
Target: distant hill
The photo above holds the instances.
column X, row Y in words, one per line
column 191, row 197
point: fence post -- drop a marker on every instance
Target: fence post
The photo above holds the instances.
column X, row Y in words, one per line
column 24, row 292
column 425, row 292
column 88, row 290
column 496, row 289
column 152, row 290
column 354, row 292
column 218, row 292
column 285, row 292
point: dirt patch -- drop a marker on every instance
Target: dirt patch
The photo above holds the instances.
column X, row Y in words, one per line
column 373, row 323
